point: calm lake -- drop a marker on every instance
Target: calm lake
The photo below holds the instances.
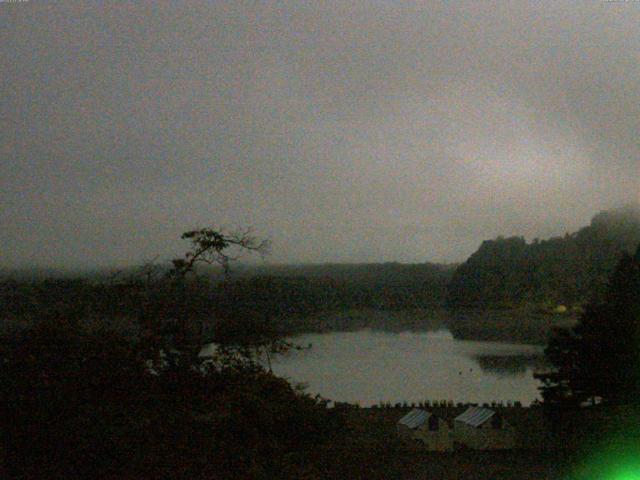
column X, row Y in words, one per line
column 368, row 367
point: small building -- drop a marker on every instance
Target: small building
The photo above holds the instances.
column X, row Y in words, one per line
column 480, row 428
column 428, row 429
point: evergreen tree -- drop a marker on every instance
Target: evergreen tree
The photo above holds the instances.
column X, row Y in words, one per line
column 600, row 356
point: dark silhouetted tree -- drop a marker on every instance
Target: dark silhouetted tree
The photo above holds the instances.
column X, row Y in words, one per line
column 600, row 356
column 211, row 247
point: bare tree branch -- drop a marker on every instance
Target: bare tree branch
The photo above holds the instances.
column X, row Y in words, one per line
column 212, row 247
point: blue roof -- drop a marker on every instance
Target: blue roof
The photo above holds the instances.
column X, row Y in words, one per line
column 415, row 418
column 475, row 416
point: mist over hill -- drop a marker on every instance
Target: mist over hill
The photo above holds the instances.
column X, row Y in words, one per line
column 569, row 270
column 505, row 273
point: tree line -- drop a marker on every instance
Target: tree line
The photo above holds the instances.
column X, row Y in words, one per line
column 505, row 273
column 90, row 396
column 598, row 360
column 509, row 273
column 282, row 292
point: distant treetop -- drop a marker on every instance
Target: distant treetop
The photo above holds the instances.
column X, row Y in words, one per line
column 569, row 270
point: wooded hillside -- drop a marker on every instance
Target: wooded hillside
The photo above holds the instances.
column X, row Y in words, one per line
column 569, row 270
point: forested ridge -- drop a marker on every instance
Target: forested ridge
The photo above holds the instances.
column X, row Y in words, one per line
column 280, row 291
column 505, row 273
column 510, row 273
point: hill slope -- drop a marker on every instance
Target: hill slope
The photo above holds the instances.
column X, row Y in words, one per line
column 569, row 270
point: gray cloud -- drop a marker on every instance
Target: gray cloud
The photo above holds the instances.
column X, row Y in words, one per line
column 351, row 131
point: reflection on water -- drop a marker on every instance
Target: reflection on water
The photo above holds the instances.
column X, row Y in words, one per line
column 368, row 367
column 510, row 365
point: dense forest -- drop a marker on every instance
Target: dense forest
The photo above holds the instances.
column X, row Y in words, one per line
column 285, row 291
column 597, row 358
column 508, row 273
column 505, row 273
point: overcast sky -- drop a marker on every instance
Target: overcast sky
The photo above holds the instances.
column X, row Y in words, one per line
column 343, row 131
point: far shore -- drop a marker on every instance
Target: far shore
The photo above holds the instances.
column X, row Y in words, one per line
column 513, row 326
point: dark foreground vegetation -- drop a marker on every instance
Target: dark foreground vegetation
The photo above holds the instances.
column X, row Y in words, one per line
column 105, row 380
column 85, row 404
column 596, row 443
column 80, row 403
column 90, row 397
column 598, row 359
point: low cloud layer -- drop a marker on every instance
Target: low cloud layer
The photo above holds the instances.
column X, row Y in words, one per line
column 351, row 131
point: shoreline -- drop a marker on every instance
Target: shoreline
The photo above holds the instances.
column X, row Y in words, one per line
column 509, row 326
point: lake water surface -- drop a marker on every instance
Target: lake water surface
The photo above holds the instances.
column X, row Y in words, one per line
column 368, row 367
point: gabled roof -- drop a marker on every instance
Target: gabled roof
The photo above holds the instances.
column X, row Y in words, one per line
column 475, row 416
column 415, row 418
